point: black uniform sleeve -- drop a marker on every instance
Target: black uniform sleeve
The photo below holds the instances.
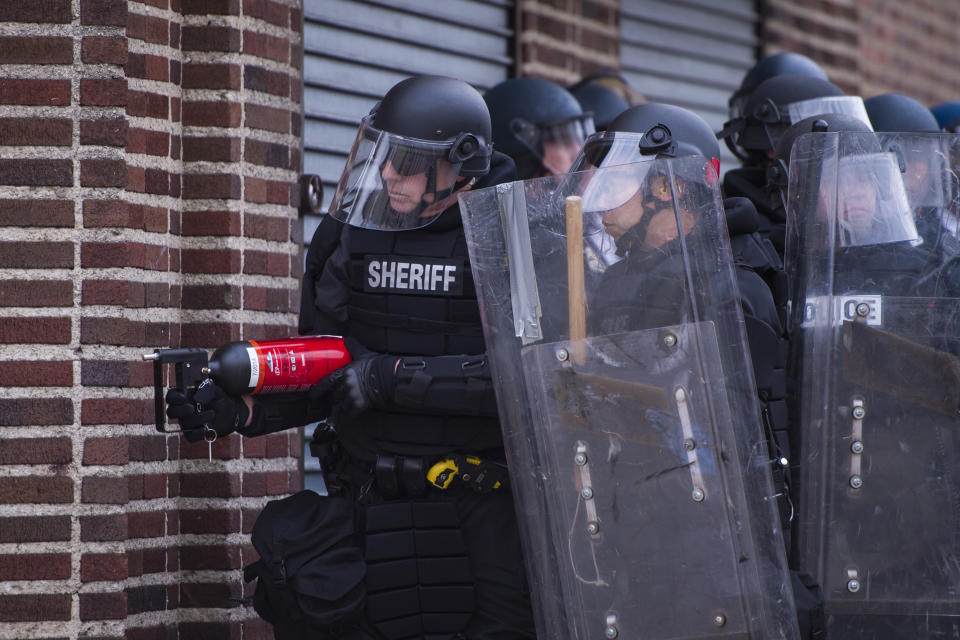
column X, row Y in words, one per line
column 451, row 385
column 325, row 241
column 276, row 412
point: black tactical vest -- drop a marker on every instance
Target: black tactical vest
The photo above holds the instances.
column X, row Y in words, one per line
column 411, row 293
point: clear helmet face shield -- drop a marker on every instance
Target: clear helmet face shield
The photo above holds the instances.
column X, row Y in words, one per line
column 613, row 148
column 925, row 165
column 608, row 149
column 556, row 145
column 871, row 202
column 846, row 105
column 778, row 118
column 395, row 183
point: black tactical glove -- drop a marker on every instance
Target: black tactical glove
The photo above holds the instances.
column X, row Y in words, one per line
column 367, row 382
column 208, row 406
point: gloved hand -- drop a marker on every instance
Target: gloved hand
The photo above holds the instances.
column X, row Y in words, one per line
column 209, row 405
column 367, row 382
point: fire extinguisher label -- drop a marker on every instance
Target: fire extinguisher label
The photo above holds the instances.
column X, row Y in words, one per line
column 254, row 368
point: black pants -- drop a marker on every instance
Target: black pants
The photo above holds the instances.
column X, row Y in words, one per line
column 492, row 541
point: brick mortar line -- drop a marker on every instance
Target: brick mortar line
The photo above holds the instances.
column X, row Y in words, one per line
column 265, row 209
column 156, row 87
column 114, row 273
column 213, row 96
column 36, row 152
column 58, row 30
column 259, row 135
column 152, row 11
column 76, row 113
column 120, row 235
column 206, row 204
column 241, row 22
column 212, row 166
column 61, row 72
column 151, row 161
column 240, row 59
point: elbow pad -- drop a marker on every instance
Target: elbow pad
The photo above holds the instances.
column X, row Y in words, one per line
column 456, row 385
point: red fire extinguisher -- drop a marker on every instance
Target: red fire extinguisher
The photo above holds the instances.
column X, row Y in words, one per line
column 250, row 366
column 276, row 366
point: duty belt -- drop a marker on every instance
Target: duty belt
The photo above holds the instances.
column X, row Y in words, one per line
column 409, row 475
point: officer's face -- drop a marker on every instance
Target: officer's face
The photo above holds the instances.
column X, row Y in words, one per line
column 618, row 221
column 559, row 154
column 408, row 192
column 405, row 192
column 662, row 228
column 857, row 201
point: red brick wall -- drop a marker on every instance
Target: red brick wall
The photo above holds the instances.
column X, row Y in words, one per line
column 910, row 47
column 564, row 40
column 147, row 153
column 869, row 47
column 825, row 30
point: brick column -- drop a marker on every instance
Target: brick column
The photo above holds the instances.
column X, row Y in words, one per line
column 148, row 150
column 565, row 40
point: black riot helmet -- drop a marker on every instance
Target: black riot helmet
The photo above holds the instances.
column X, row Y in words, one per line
column 538, row 124
column 596, row 97
column 778, row 103
column 947, row 115
column 896, row 112
column 778, row 64
column 426, row 140
column 651, row 130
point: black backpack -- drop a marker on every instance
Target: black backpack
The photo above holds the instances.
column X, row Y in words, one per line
column 310, row 573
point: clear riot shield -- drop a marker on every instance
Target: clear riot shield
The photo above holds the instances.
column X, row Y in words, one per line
column 876, row 324
column 637, row 459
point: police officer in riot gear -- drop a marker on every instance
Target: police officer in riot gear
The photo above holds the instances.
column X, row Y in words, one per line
column 773, row 106
column 412, row 435
column 925, row 161
column 629, row 487
column 659, row 131
column 895, row 112
column 538, row 124
column 947, row 115
column 605, row 95
column 777, row 64
column 877, row 380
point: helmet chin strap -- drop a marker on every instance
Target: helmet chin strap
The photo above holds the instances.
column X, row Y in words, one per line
column 462, row 181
